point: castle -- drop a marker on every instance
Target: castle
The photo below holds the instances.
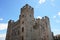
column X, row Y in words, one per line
column 29, row 28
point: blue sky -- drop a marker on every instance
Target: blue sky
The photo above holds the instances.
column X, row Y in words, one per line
column 10, row 9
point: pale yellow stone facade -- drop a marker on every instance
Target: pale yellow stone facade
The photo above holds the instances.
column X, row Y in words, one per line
column 29, row 28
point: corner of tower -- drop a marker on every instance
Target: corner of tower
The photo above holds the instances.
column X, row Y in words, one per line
column 46, row 18
column 10, row 21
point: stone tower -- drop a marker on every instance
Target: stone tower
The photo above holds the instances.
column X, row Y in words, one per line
column 29, row 28
column 27, row 14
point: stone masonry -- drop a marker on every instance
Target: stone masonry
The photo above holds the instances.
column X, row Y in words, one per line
column 29, row 28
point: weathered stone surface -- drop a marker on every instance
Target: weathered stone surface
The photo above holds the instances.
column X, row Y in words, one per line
column 29, row 28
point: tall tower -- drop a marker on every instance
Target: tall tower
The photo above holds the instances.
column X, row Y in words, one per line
column 27, row 14
column 49, row 33
column 9, row 30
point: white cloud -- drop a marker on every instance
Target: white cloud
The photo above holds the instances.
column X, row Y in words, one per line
column 39, row 17
column 2, row 38
column 3, row 35
column 3, row 26
column 58, row 13
column 42, row 1
column 54, row 16
column 1, row 19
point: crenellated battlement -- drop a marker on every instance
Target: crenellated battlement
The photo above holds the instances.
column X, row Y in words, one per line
column 27, row 6
column 27, row 27
column 45, row 17
column 11, row 21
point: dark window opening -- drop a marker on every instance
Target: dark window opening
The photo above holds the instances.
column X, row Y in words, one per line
column 22, row 29
column 30, row 15
column 35, row 26
column 46, row 24
column 22, row 38
column 23, row 22
column 22, row 15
